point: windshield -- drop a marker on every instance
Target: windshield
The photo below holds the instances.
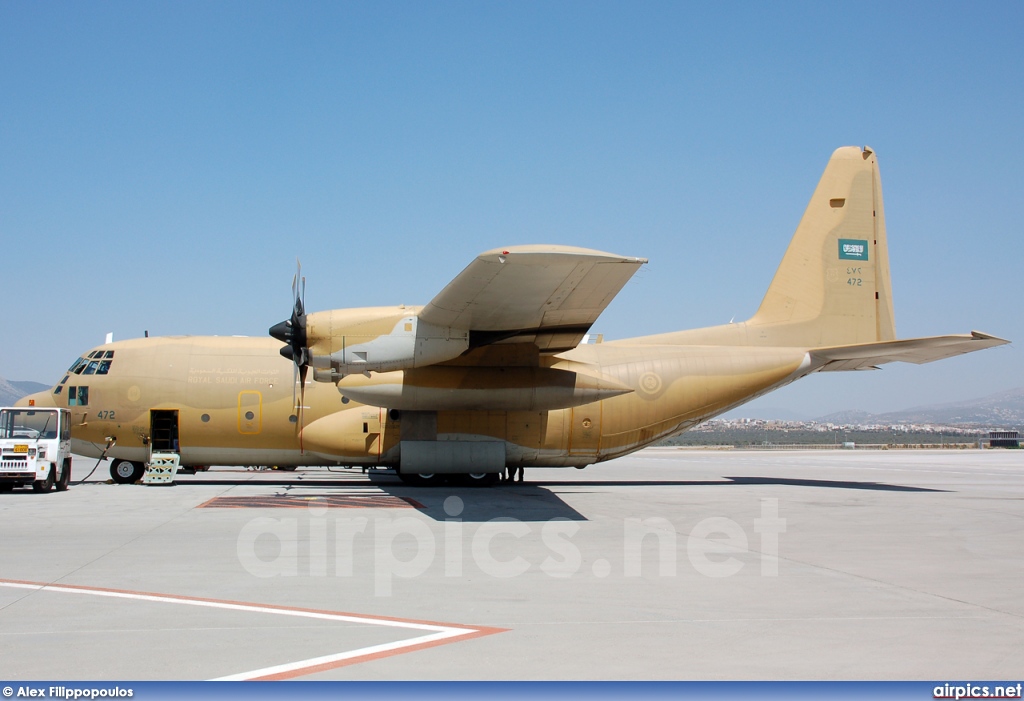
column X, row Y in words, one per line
column 97, row 363
column 28, row 423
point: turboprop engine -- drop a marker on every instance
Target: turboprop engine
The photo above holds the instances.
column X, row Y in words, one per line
column 344, row 342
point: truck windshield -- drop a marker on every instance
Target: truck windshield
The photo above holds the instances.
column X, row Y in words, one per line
column 28, row 423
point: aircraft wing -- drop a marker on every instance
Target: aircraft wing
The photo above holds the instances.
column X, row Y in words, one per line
column 867, row 356
column 546, row 295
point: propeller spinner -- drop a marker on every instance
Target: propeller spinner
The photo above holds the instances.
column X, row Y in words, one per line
column 293, row 332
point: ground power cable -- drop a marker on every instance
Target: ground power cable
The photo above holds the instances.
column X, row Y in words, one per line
column 103, row 456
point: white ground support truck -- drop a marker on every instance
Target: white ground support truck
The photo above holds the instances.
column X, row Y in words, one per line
column 35, row 448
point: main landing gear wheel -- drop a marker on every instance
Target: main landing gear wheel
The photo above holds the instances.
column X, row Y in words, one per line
column 427, row 480
column 46, row 484
column 126, row 471
column 480, row 479
column 65, row 477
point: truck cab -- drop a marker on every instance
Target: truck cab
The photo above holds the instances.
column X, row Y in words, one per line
column 35, row 448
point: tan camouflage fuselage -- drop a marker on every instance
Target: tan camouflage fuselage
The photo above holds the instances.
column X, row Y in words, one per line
column 492, row 371
column 215, row 382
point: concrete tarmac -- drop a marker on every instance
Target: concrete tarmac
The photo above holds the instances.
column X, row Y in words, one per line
column 669, row 564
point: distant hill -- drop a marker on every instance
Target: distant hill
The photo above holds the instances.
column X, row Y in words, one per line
column 1002, row 409
column 850, row 416
column 13, row 390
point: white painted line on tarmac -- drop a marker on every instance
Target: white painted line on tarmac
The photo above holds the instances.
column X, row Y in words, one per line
column 329, row 661
column 437, row 633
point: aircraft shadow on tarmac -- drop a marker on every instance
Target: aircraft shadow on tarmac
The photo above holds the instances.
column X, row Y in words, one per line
column 531, row 501
column 521, row 501
column 834, row 484
column 741, row 481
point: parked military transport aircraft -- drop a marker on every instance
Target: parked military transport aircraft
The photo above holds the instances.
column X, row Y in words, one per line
column 493, row 372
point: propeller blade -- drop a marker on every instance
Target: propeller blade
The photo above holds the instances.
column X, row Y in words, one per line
column 303, row 369
column 301, row 413
column 295, row 378
column 292, row 332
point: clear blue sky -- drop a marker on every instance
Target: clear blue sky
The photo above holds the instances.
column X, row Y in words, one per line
column 162, row 164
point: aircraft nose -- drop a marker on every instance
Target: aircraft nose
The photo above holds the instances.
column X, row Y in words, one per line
column 44, row 398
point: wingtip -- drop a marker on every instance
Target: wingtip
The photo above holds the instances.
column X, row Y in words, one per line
column 525, row 253
column 995, row 340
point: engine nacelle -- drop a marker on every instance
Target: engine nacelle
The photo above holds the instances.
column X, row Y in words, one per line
column 380, row 339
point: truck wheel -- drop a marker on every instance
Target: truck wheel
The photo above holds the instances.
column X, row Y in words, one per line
column 65, row 477
column 46, row 484
column 126, row 471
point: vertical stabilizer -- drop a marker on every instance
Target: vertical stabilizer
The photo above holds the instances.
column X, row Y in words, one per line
column 833, row 285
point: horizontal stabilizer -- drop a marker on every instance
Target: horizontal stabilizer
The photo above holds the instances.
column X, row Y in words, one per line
column 866, row 356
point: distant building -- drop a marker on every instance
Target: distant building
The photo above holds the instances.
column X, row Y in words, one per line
column 1003, row 439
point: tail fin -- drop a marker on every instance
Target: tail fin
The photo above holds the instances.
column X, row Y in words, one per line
column 833, row 285
column 831, row 294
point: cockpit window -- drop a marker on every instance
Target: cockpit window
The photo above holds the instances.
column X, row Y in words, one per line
column 98, row 366
column 78, row 396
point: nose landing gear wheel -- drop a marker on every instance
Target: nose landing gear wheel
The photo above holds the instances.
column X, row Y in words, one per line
column 126, row 472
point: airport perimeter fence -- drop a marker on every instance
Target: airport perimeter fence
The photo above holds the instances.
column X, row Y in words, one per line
column 974, row 445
